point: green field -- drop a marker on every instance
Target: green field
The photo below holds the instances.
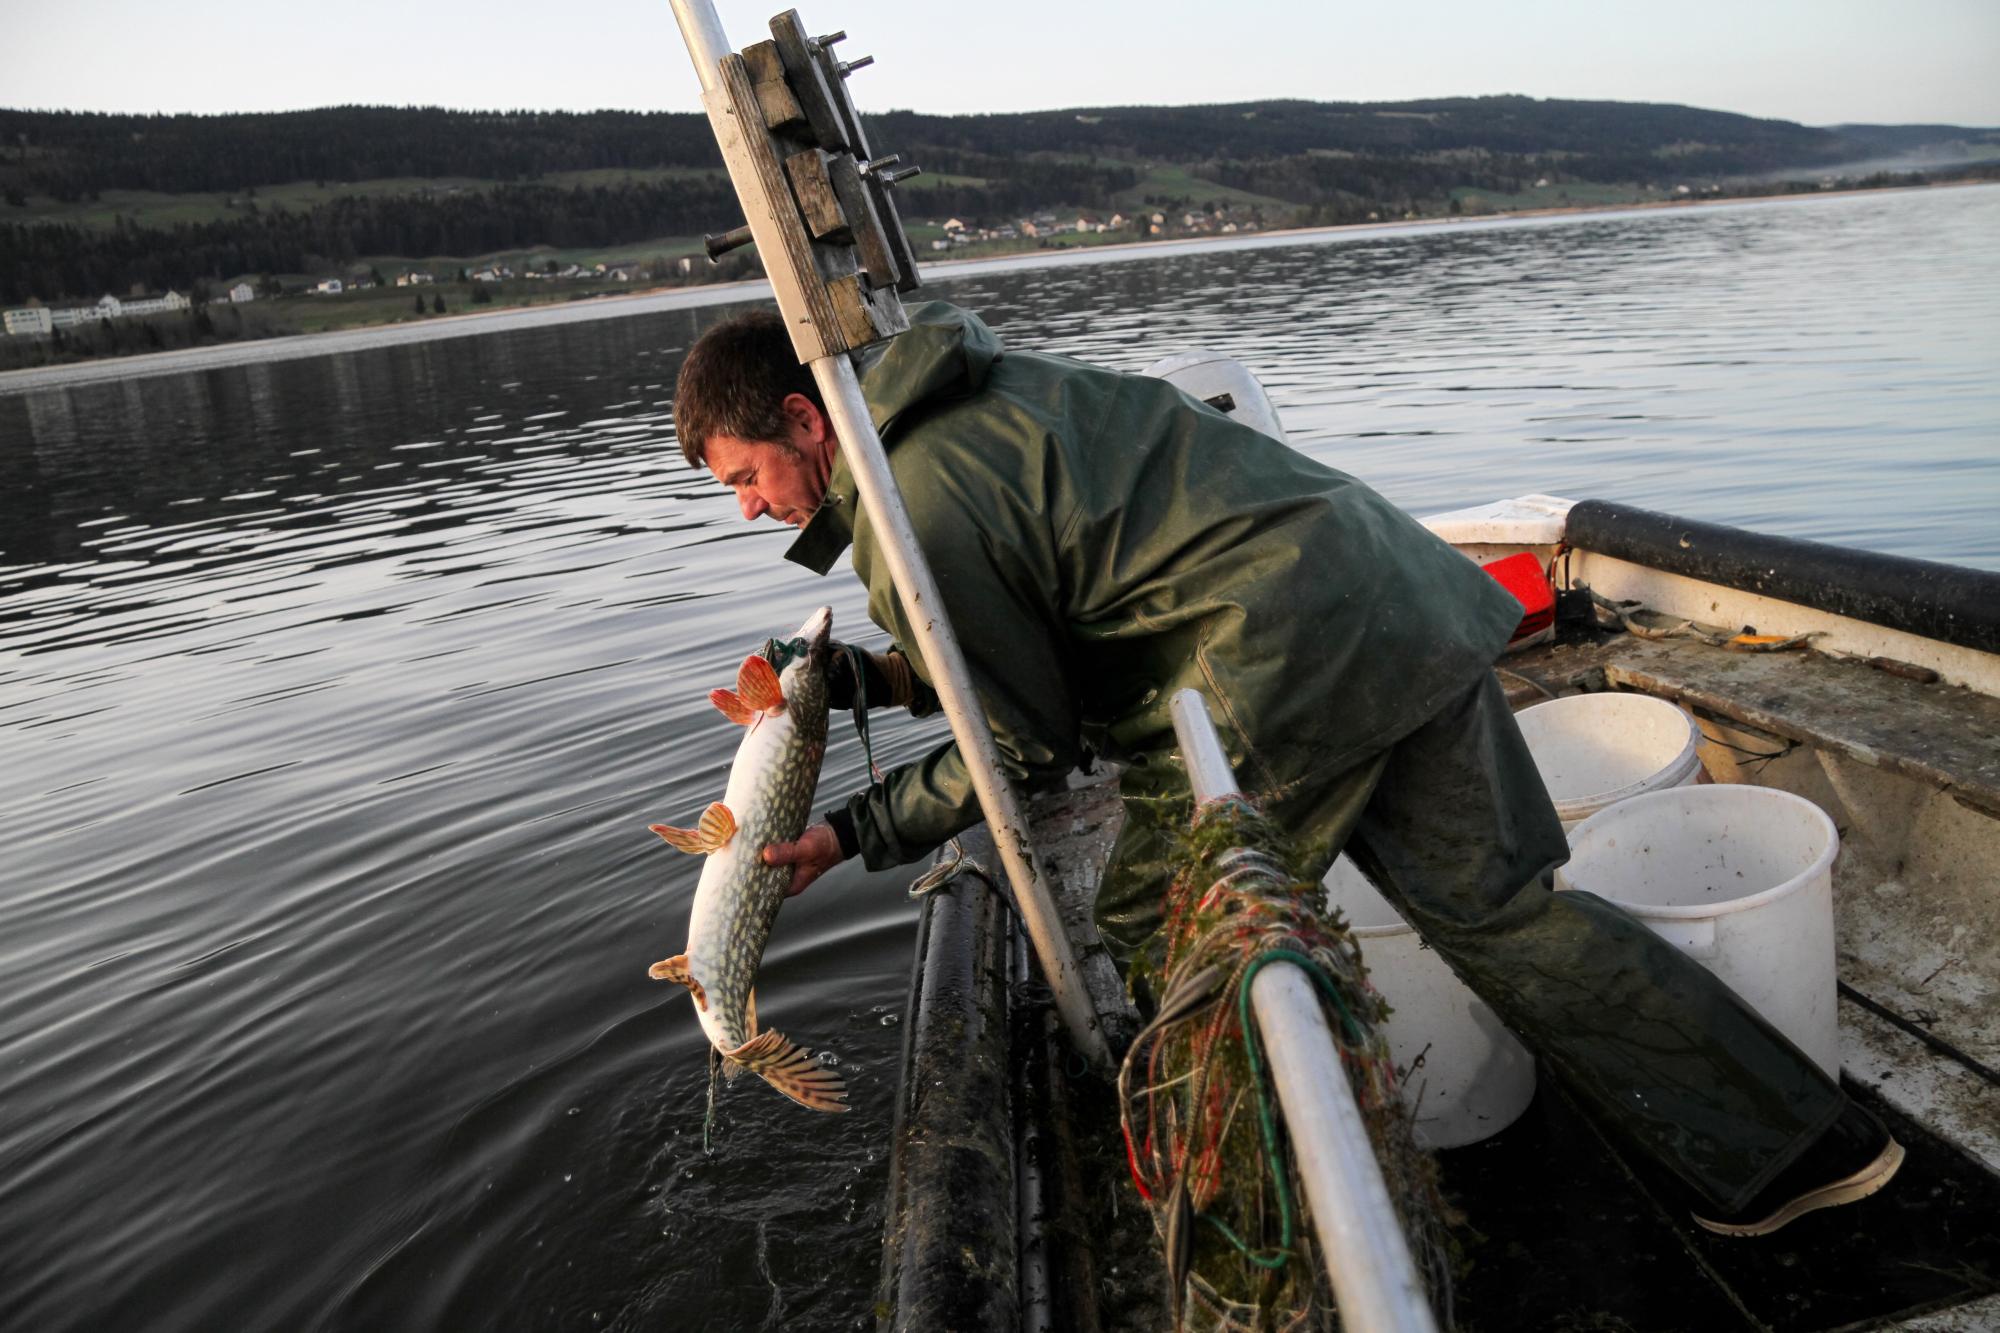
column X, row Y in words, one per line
column 1568, row 194
column 397, row 305
column 1174, row 182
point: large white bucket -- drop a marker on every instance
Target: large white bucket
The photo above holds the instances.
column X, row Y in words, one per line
column 1738, row 877
column 1595, row 750
column 1467, row 1077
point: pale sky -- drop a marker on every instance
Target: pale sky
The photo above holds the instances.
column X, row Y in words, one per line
column 1814, row 61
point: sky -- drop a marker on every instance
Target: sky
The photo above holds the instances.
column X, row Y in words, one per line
column 1819, row 62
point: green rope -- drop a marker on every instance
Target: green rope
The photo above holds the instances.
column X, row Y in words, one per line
column 1267, row 1121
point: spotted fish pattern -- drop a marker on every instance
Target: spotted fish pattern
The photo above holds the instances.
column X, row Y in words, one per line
column 768, row 799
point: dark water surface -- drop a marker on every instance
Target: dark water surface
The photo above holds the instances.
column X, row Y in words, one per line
column 336, row 692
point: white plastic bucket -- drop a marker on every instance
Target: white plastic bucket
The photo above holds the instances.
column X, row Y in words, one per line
column 1595, row 750
column 1467, row 1077
column 1738, row 877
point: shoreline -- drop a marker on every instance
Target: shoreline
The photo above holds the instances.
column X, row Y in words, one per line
column 335, row 341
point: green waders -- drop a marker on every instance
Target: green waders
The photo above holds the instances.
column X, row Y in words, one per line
column 1453, row 827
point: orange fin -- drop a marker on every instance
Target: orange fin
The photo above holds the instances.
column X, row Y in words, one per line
column 750, row 1013
column 757, row 685
column 711, row 834
column 676, row 969
column 733, row 707
column 791, row 1071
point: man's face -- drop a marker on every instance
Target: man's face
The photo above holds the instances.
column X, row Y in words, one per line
column 787, row 478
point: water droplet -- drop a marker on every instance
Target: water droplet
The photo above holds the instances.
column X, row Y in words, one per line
column 567, row 1177
column 890, row 1020
column 576, row 1110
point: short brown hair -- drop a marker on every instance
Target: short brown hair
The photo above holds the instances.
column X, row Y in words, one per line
column 734, row 382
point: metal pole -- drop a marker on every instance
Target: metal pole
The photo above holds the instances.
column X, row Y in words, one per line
column 1367, row 1256
column 848, row 411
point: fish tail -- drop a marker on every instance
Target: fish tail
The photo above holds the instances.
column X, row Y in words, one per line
column 791, row 1071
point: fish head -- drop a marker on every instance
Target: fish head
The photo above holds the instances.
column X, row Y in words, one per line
column 817, row 631
column 805, row 676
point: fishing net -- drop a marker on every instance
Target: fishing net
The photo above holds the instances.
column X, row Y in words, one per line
column 1200, row 1116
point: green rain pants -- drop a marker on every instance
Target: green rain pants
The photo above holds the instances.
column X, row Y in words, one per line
column 1453, row 826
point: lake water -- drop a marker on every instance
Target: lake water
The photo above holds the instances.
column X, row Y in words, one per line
column 336, row 692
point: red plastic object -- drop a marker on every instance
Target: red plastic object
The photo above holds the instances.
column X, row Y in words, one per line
column 1523, row 576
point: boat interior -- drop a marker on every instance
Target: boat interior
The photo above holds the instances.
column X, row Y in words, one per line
column 1011, row 1208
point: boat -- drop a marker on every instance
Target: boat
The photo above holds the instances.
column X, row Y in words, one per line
column 1868, row 684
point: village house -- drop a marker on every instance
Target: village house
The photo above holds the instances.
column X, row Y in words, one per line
column 328, row 287
column 30, row 320
column 41, row 319
column 414, row 278
column 242, row 292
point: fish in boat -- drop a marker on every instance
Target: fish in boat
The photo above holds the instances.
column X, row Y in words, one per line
column 768, row 799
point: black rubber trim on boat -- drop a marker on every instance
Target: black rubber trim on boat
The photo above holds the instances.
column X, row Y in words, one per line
column 1921, row 1033
column 1948, row 602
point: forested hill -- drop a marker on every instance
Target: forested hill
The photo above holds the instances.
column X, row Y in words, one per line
column 98, row 202
column 68, row 154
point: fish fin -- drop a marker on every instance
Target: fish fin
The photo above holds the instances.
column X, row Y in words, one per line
column 733, row 707
column 676, row 969
column 757, row 685
column 792, row 1071
column 750, row 1012
column 711, row 832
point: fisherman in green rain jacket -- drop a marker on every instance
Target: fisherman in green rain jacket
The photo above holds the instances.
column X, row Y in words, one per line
column 1101, row 541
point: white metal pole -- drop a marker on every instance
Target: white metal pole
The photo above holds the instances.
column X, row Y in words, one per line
column 1367, row 1256
column 848, row 411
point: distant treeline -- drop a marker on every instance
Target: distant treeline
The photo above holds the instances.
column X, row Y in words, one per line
column 71, row 154
column 75, row 154
column 1627, row 139
column 38, row 258
column 1321, row 161
column 50, row 260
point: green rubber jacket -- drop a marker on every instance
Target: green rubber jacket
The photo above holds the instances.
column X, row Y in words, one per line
column 1103, row 540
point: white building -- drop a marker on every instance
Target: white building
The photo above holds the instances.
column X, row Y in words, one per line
column 146, row 305
column 329, row 287
column 242, row 292
column 30, row 320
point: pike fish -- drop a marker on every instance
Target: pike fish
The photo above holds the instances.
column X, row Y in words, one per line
column 768, row 799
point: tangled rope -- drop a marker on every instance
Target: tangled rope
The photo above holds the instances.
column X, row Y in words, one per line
column 1202, row 1135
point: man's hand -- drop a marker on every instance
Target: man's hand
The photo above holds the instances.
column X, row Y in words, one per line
column 839, row 678
column 816, row 852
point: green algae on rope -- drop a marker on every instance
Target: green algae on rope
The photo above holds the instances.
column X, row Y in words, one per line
column 1202, row 1135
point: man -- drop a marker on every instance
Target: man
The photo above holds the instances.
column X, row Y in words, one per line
column 1102, row 541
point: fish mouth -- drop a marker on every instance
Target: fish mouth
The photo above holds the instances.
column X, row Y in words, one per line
column 817, row 632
